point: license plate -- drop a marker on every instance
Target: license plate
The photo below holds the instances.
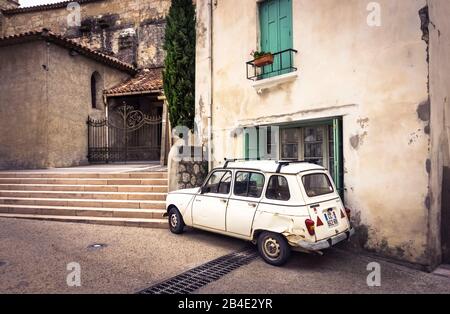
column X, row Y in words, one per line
column 331, row 218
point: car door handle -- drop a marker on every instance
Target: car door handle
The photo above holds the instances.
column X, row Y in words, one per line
column 252, row 204
column 224, row 201
column 198, row 200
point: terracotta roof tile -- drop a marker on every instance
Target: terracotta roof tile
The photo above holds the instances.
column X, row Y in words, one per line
column 69, row 44
column 146, row 81
column 44, row 7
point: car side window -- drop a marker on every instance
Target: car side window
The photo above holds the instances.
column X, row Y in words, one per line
column 248, row 184
column 214, row 183
column 278, row 189
column 225, row 184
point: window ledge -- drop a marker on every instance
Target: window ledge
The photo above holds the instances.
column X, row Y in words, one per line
column 261, row 85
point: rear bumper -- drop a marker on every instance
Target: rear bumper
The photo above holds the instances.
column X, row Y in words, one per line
column 326, row 244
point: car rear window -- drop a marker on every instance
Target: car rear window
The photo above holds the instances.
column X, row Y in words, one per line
column 317, row 184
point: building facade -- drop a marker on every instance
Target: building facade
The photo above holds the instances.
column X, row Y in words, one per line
column 356, row 87
column 131, row 30
column 45, row 99
column 125, row 121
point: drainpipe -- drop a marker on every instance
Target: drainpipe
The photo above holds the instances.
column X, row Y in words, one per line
column 211, row 86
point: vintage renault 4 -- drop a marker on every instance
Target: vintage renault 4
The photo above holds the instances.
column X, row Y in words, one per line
column 278, row 205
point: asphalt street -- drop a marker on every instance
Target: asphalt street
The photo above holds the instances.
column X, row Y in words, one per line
column 34, row 258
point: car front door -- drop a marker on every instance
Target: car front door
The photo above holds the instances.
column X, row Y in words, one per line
column 209, row 207
column 247, row 191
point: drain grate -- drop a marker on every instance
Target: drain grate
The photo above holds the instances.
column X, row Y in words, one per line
column 200, row 276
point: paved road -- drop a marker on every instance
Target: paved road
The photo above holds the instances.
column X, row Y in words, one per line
column 37, row 253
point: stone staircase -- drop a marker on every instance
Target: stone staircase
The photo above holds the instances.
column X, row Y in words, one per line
column 123, row 199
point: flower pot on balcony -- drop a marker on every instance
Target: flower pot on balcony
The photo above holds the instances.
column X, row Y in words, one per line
column 264, row 60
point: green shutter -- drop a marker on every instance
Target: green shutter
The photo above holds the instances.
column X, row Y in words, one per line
column 276, row 32
column 251, row 145
column 338, row 156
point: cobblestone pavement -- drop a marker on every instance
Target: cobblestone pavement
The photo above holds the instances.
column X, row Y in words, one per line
column 34, row 257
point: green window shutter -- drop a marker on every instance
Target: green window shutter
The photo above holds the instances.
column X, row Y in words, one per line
column 285, row 34
column 338, row 156
column 276, row 31
column 251, row 145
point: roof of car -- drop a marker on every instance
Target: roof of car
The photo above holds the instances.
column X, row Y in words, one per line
column 273, row 166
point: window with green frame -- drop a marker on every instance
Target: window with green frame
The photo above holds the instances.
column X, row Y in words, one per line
column 316, row 142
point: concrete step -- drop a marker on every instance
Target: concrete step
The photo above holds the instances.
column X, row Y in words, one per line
column 85, row 188
column 81, row 211
column 86, row 175
column 84, row 195
column 105, row 203
column 78, row 181
column 130, row 222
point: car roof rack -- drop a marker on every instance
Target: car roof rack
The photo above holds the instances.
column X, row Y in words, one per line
column 285, row 163
column 227, row 160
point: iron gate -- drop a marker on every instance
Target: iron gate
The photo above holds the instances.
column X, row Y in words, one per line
column 126, row 135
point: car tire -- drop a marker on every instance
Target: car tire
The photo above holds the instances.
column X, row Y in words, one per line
column 273, row 248
column 176, row 223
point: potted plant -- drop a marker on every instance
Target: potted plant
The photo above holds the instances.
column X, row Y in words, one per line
column 262, row 58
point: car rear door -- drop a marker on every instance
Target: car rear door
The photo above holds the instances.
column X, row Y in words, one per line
column 247, row 193
column 324, row 204
column 209, row 207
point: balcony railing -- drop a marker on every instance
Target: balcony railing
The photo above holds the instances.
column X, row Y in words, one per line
column 283, row 63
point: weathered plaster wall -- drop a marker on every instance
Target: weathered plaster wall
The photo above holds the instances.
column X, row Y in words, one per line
column 439, row 29
column 374, row 77
column 105, row 22
column 44, row 105
column 69, row 100
column 23, row 139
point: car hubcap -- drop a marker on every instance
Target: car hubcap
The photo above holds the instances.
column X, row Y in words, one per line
column 173, row 220
column 272, row 248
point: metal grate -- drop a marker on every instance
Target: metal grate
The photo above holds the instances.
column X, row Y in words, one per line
column 200, row 276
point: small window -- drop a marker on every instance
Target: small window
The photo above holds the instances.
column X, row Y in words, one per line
column 96, row 91
column 278, row 189
column 249, row 184
column 317, row 184
column 218, row 183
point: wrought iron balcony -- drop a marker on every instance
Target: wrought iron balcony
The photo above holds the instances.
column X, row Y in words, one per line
column 283, row 63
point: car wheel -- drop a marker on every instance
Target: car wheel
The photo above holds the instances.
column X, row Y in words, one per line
column 273, row 248
column 176, row 223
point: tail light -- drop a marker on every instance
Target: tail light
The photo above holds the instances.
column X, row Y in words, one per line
column 310, row 225
column 348, row 212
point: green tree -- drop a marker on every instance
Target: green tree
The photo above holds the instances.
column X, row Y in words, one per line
column 179, row 72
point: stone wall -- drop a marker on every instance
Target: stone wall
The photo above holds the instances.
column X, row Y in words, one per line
column 131, row 30
column 45, row 101
column 191, row 174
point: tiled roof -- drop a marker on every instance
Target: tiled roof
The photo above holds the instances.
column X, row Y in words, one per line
column 146, row 81
column 45, row 7
column 69, row 44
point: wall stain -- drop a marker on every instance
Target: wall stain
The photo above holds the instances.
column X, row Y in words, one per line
column 357, row 141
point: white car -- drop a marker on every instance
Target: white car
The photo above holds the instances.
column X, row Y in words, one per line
column 279, row 205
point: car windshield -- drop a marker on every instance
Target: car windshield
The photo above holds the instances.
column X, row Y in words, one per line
column 317, row 184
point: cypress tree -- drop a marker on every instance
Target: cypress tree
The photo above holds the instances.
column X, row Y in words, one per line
column 179, row 72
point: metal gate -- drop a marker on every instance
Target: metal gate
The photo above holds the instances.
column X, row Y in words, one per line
column 126, row 135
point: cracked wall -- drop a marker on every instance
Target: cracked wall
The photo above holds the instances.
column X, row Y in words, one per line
column 103, row 25
column 375, row 78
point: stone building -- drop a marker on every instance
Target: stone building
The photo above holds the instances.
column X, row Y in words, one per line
column 131, row 30
column 126, row 114
column 357, row 87
column 45, row 98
